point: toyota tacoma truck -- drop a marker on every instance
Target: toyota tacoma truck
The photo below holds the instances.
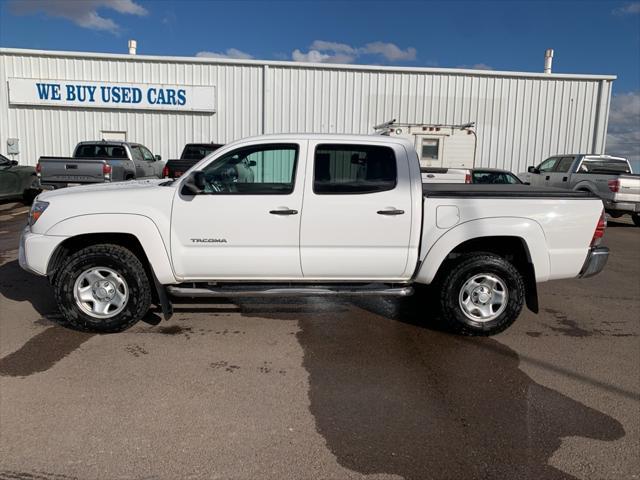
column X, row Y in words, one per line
column 309, row 215
column 610, row 178
column 99, row 162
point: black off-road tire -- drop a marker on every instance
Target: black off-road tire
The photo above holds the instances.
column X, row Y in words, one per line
column 117, row 258
column 464, row 268
column 636, row 219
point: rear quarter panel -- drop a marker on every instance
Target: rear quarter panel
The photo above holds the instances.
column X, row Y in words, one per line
column 557, row 231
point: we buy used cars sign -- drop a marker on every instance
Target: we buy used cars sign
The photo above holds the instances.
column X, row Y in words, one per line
column 66, row 93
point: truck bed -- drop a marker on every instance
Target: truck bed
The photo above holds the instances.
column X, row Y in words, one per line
column 440, row 190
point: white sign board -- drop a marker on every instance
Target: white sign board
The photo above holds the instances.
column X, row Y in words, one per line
column 132, row 96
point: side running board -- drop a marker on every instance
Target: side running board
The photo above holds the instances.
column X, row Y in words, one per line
column 239, row 290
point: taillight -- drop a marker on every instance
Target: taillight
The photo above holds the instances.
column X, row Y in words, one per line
column 38, row 168
column 614, row 185
column 106, row 171
column 467, row 177
column 165, row 172
column 599, row 233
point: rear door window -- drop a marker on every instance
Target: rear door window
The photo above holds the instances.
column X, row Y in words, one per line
column 564, row 164
column 137, row 153
column 353, row 169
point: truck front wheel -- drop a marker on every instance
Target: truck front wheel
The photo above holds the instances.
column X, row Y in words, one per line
column 482, row 294
column 102, row 288
column 636, row 219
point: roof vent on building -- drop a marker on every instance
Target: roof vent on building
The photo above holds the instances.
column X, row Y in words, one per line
column 132, row 47
column 548, row 60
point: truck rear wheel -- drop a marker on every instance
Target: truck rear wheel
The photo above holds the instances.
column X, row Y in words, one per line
column 482, row 294
column 102, row 288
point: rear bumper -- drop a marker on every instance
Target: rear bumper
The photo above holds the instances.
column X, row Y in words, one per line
column 595, row 262
column 630, row 207
column 56, row 185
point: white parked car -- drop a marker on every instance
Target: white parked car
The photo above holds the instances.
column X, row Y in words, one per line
column 308, row 215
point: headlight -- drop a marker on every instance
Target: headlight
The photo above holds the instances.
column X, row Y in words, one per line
column 37, row 209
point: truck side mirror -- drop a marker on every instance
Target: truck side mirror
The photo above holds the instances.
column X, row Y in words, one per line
column 533, row 170
column 194, row 184
column 158, row 158
column 252, row 163
column 13, row 163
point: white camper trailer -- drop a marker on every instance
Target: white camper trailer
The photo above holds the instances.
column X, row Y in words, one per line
column 439, row 146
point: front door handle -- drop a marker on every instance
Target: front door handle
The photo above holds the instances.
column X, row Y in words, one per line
column 564, row 179
column 283, row 211
column 547, row 177
column 391, row 211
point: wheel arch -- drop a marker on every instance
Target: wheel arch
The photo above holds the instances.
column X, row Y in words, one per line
column 519, row 240
column 135, row 232
column 585, row 186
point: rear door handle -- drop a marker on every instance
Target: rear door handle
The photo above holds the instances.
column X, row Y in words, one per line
column 547, row 177
column 283, row 211
column 564, row 179
column 391, row 211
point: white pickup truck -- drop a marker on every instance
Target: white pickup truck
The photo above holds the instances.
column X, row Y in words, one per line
column 309, row 215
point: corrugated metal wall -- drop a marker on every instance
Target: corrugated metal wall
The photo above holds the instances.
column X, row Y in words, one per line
column 520, row 119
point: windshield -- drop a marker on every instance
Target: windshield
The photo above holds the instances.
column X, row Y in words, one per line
column 98, row 150
column 198, row 152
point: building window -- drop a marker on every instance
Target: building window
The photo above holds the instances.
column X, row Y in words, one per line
column 430, row 148
column 353, row 169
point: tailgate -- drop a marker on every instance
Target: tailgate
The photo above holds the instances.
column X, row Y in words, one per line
column 629, row 190
column 71, row 170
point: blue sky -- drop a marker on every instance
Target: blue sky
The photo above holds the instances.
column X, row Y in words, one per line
column 588, row 36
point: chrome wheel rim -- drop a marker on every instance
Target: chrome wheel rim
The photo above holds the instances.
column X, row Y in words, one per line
column 483, row 297
column 101, row 292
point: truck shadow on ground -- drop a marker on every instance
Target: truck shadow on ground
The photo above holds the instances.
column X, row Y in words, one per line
column 47, row 347
column 390, row 396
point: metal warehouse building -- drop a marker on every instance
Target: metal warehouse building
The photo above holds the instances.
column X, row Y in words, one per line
column 51, row 100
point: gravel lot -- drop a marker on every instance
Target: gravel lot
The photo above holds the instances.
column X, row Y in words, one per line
column 330, row 389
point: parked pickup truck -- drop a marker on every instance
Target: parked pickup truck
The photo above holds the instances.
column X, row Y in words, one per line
column 99, row 162
column 609, row 178
column 308, row 214
column 191, row 154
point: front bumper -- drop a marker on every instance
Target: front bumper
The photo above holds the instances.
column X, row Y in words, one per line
column 35, row 250
column 595, row 262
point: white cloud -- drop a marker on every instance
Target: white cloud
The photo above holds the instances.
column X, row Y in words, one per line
column 477, row 66
column 333, row 46
column 628, row 9
column 82, row 13
column 322, row 51
column 390, row 51
column 228, row 53
column 315, row 56
column 623, row 136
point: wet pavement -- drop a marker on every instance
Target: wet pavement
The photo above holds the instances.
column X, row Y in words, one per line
column 317, row 388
